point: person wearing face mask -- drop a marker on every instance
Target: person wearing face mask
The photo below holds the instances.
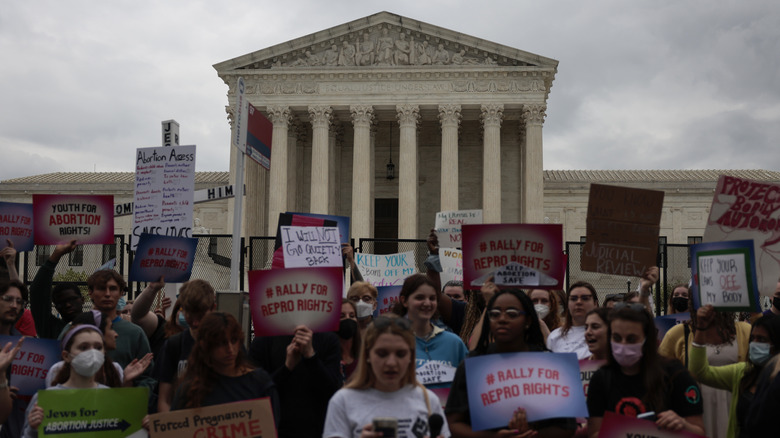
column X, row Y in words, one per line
column 546, row 306
column 739, row 378
column 678, row 300
column 364, row 295
column 637, row 380
column 349, row 336
column 83, row 351
column 726, row 342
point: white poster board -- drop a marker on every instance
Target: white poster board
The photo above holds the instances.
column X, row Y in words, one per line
column 310, row 247
column 448, row 224
column 386, row 269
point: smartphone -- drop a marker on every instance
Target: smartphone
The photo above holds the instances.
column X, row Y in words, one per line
column 387, row 425
column 647, row 416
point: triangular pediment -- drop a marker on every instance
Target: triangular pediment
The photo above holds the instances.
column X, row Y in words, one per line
column 385, row 40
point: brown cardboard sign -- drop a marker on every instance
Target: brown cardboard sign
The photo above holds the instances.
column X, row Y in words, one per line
column 622, row 230
column 252, row 418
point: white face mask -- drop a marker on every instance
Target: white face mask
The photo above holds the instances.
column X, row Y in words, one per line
column 87, row 363
column 542, row 310
column 364, row 310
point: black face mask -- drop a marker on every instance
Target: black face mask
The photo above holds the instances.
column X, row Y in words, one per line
column 680, row 304
column 776, row 302
column 347, row 329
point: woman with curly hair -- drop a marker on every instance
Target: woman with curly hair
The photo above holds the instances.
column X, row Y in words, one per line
column 219, row 371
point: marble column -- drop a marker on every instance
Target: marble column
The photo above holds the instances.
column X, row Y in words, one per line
column 449, row 115
column 362, row 115
column 277, row 202
column 320, row 122
column 491, row 116
column 408, row 116
column 292, row 166
column 532, row 187
column 335, row 139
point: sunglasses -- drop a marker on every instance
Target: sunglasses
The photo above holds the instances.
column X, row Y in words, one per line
column 638, row 307
column 383, row 322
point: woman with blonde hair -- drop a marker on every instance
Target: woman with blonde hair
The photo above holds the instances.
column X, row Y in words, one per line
column 363, row 294
column 384, row 385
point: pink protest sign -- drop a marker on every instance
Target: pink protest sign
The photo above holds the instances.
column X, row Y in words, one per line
column 62, row 218
column 616, row 425
column 743, row 209
column 282, row 299
column 587, row 369
column 521, row 255
column 16, row 225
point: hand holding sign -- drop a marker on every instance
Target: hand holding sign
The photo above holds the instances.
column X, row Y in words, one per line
column 7, row 354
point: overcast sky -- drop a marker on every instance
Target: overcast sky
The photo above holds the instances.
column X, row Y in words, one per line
column 641, row 84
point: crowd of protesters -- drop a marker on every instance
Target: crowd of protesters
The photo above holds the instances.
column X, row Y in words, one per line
column 713, row 375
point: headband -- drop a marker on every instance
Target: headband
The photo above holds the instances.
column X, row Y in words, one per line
column 75, row 330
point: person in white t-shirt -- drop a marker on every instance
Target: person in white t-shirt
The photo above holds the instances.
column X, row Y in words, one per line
column 384, row 385
column 570, row 338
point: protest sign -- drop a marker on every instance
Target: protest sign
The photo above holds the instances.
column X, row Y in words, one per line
column 587, row 369
column 451, row 264
column 744, row 209
column 296, row 220
column 163, row 256
column 546, row 385
column 724, row 275
column 490, row 248
column 251, row 418
column 616, row 425
column 282, row 299
column 386, row 299
column 62, row 218
column 666, row 322
column 342, row 222
column 32, row 363
column 386, row 269
column 311, row 246
column 164, row 192
column 622, row 230
column 103, row 413
column 449, row 223
column 259, row 134
column 16, row 225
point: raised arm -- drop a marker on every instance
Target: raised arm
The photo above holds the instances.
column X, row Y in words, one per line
column 40, row 289
column 9, row 255
column 434, row 265
column 141, row 313
column 649, row 278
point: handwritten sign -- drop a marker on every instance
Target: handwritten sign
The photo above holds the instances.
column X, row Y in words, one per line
column 163, row 256
column 616, row 425
column 164, row 192
column 449, row 223
column 282, row 299
column 62, row 218
column 587, row 369
column 32, row 363
column 743, row 209
column 252, row 418
column 342, row 222
column 16, row 225
column 296, row 220
column 386, row 269
column 724, row 275
column 451, row 264
column 311, row 246
column 622, row 230
column 104, row 413
column 490, row 248
column 387, row 297
column 546, row 385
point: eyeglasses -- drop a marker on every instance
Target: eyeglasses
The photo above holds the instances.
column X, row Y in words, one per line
column 510, row 313
column 581, row 298
column 382, row 322
column 638, row 307
column 19, row 301
column 364, row 298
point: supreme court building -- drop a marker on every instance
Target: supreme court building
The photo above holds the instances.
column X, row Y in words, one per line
column 460, row 118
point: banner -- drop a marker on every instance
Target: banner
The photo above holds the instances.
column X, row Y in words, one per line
column 164, row 192
column 251, row 418
column 546, row 385
column 724, row 275
column 386, row 269
column 451, row 264
column 32, row 363
column 448, row 226
column 16, row 225
column 616, row 425
column 523, row 255
column 743, row 209
column 99, row 413
column 386, row 299
column 163, row 256
column 282, row 299
column 258, row 137
column 311, row 246
column 59, row 219
column 622, row 230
